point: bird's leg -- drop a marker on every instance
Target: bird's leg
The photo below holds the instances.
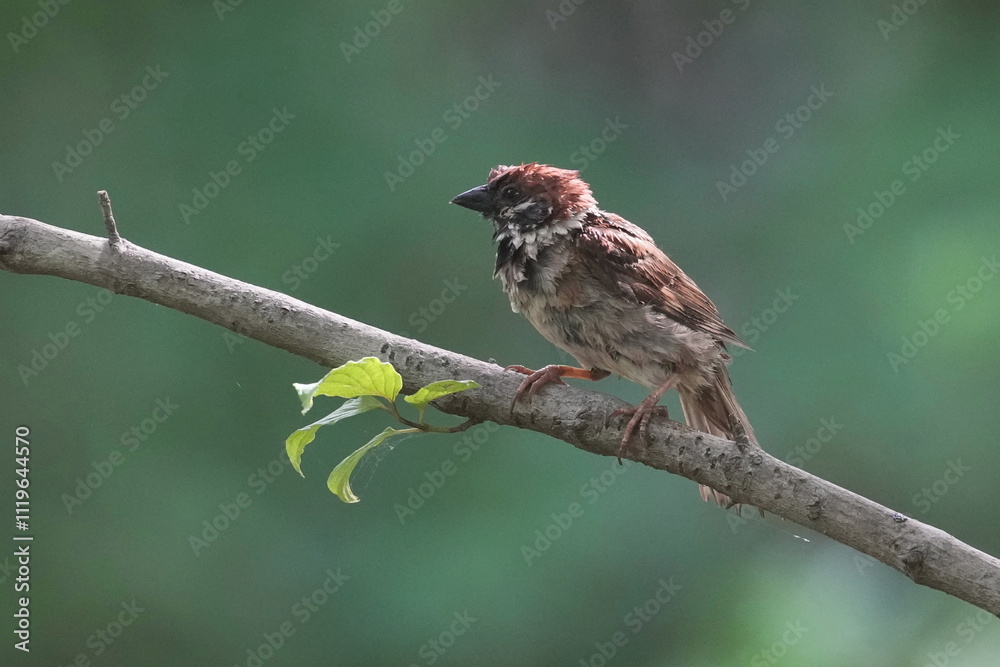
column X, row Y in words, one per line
column 642, row 412
column 551, row 374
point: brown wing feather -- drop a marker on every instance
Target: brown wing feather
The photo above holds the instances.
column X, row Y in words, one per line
column 626, row 260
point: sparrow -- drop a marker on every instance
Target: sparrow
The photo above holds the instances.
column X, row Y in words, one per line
column 598, row 287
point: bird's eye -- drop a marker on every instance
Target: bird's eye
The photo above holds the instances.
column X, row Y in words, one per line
column 510, row 193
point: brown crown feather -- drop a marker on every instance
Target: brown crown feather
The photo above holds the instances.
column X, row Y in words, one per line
column 562, row 187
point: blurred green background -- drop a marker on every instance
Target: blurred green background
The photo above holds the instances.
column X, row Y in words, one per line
column 658, row 103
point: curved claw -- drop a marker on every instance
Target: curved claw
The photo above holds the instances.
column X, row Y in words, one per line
column 642, row 412
column 535, row 381
column 640, row 417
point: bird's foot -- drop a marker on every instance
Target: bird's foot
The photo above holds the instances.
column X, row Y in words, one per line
column 641, row 415
column 551, row 374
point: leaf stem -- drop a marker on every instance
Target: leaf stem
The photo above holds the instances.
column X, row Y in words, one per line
column 428, row 428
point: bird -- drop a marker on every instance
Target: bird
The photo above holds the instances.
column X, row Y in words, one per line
column 598, row 287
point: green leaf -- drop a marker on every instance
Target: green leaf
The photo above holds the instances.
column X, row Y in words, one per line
column 438, row 389
column 368, row 377
column 298, row 440
column 340, row 479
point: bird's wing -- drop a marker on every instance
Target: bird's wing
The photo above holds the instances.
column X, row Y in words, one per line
column 625, row 260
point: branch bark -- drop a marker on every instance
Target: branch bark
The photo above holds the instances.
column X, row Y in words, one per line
column 923, row 553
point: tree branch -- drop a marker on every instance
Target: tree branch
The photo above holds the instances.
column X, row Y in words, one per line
column 109, row 218
column 925, row 554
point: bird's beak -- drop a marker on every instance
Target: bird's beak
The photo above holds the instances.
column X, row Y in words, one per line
column 476, row 199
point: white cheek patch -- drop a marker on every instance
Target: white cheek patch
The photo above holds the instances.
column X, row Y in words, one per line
column 513, row 236
column 536, row 238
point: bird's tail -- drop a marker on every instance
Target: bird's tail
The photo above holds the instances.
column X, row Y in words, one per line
column 713, row 409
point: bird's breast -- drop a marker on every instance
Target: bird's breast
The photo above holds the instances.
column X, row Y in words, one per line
column 532, row 274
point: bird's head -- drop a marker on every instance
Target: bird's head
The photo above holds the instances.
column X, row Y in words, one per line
column 529, row 197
